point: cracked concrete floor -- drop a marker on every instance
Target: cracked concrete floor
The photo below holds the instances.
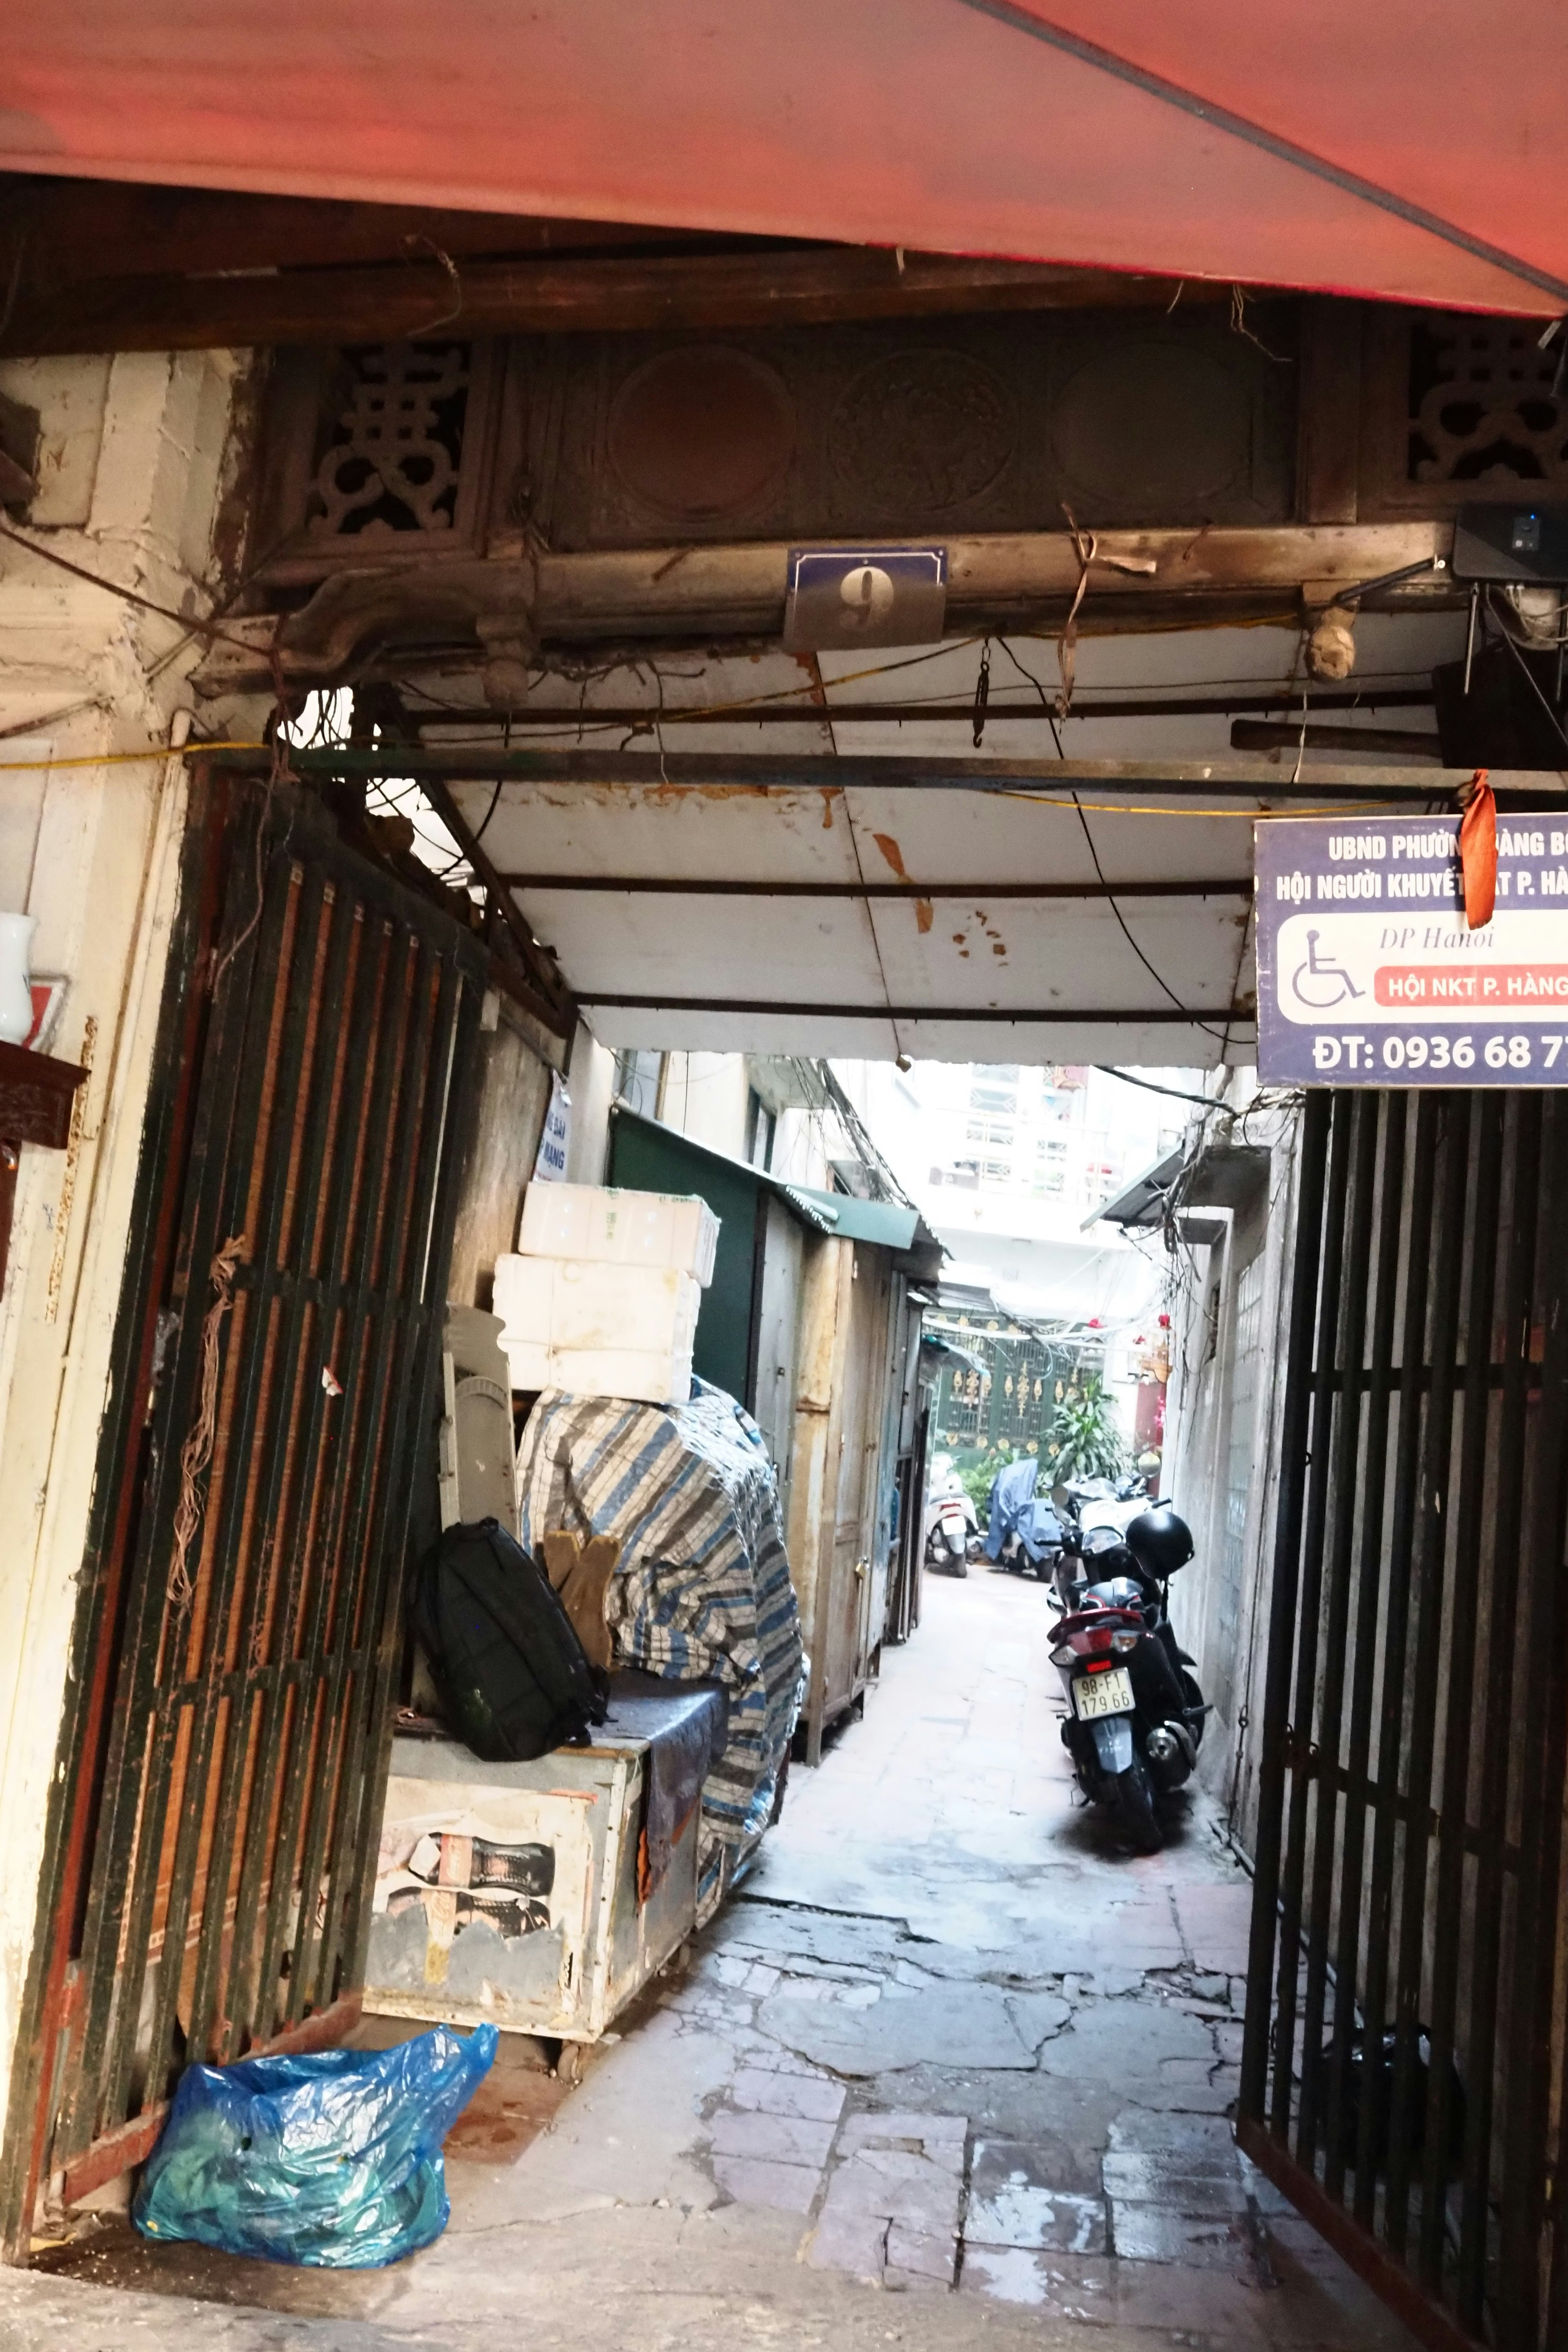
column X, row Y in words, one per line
column 951, row 2069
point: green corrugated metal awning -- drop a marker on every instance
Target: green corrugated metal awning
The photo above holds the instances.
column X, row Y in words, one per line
column 886, row 1223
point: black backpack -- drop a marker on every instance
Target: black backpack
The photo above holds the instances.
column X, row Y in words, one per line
column 512, row 1674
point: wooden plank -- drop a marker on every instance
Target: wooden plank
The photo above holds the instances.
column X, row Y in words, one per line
column 87, row 229
column 430, row 291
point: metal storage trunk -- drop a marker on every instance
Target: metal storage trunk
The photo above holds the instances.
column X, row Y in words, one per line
column 507, row 1894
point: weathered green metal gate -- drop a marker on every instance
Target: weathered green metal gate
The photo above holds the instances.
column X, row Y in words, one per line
column 210, row 1861
column 1404, row 2069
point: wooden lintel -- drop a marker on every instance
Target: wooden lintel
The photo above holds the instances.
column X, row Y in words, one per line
column 84, row 230
column 1013, row 580
column 431, row 291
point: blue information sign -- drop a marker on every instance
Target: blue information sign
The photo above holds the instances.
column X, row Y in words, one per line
column 1368, row 974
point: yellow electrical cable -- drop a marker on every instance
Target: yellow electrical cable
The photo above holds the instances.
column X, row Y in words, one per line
column 1035, row 800
column 115, row 759
column 1251, row 816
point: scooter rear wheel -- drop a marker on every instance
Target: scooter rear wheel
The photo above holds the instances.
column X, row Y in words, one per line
column 1135, row 1808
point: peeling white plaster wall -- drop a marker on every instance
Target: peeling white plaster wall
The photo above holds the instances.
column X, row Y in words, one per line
column 136, row 460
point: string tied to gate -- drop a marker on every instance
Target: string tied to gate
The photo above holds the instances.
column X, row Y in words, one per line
column 197, row 1450
column 1477, row 849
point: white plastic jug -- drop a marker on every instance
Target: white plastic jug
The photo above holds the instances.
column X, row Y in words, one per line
column 15, row 986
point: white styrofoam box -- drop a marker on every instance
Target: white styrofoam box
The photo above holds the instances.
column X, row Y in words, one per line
column 641, row 1308
column 579, row 1303
column 525, row 1297
column 529, row 1361
column 644, row 1375
column 599, row 1222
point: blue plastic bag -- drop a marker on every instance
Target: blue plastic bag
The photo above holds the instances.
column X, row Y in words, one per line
column 333, row 2159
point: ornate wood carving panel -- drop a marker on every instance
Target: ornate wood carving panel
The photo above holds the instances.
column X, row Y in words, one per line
column 1460, row 409
column 907, row 428
column 978, row 424
column 378, row 453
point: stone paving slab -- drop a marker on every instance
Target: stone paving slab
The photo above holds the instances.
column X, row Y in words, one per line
column 1013, row 2200
column 952, row 2024
column 1212, row 2187
column 939, row 2137
column 779, row 2139
column 813, row 2095
column 776, row 2186
column 1214, row 1923
column 1149, row 2233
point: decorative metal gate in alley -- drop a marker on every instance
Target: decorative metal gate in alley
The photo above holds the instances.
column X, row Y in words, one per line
column 210, row 1858
column 1404, row 2068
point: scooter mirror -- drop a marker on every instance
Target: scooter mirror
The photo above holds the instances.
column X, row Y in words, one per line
column 1061, row 1501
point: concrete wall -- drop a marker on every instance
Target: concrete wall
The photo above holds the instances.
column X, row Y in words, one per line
column 1226, row 1394
column 139, row 456
column 705, row 1096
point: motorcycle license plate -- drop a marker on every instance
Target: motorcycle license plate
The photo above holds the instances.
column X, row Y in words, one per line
column 1107, row 1694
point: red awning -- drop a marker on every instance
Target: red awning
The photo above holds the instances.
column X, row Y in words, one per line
column 1410, row 149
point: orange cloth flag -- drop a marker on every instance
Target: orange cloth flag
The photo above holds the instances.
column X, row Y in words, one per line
column 1478, row 852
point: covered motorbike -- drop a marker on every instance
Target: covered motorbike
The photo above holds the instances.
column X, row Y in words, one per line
column 1135, row 1714
column 1023, row 1530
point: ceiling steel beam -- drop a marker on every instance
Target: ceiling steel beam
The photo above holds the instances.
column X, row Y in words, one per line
column 910, row 714
column 1285, row 735
column 677, row 773
column 1161, row 1015
column 917, row 893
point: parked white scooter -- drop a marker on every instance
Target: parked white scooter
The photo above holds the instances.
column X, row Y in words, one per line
column 951, row 1529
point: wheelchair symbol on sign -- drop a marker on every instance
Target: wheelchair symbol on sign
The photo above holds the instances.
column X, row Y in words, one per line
column 1320, row 983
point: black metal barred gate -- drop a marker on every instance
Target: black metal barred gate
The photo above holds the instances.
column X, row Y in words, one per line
column 211, row 1850
column 1404, row 2068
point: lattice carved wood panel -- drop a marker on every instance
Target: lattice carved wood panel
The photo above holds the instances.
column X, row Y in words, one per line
column 377, row 454
column 1461, row 409
column 394, row 454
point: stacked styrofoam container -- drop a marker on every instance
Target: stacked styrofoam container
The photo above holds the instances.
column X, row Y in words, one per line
column 602, row 1295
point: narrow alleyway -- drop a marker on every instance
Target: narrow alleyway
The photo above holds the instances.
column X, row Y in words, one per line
column 948, row 2043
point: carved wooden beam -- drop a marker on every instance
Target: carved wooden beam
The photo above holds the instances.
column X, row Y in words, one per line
column 430, row 290
column 81, row 230
column 394, row 615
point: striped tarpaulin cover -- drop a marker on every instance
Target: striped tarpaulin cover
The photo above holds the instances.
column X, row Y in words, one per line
column 703, row 1587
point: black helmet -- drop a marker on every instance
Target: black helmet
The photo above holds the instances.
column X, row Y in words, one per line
column 1159, row 1541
